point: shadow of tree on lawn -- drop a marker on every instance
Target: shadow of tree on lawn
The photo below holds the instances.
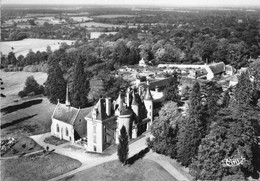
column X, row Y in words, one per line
column 16, row 121
column 13, row 108
column 137, row 156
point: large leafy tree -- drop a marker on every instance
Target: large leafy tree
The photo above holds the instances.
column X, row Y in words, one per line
column 122, row 149
column 55, row 84
column 164, row 130
column 171, row 92
column 233, row 135
column 244, row 89
column 192, row 129
column 80, row 86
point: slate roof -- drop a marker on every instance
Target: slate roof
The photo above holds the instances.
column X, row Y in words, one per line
column 83, row 112
column 65, row 113
column 101, row 109
column 217, row 68
column 148, row 95
column 160, row 83
column 126, row 112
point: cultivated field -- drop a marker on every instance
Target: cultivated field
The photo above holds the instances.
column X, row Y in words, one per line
column 37, row 167
column 80, row 18
column 95, row 24
column 114, row 16
column 22, row 47
column 142, row 169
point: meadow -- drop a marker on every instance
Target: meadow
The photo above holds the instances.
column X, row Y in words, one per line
column 23, row 117
column 81, row 18
column 40, row 166
column 114, row 16
column 142, row 169
column 95, row 24
column 22, row 47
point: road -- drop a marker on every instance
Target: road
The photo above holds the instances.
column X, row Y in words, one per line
column 90, row 160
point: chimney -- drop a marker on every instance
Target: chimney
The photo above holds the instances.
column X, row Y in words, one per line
column 67, row 103
column 128, row 97
column 108, row 106
column 156, row 88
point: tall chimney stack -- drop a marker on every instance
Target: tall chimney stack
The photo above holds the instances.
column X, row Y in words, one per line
column 108, row 106
column 67, row 103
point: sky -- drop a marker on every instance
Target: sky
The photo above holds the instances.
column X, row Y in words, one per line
column 143, row 2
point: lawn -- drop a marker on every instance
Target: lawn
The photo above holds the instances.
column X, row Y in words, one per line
column 39, row 166
column 54, row 141
column 21, row 118
column 23, row 46
column 142, row 169
column 23, row 146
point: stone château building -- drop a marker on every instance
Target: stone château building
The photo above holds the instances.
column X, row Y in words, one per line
column 101, row 123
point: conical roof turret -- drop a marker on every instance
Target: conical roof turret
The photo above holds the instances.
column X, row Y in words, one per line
column 148, row 95
column 134, row 101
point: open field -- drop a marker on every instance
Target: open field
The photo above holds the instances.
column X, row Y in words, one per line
column 40, row 166
column 22, row 47
column 25, row 116
column 14, row 82
column 142, row 169
column 23, row 146
column 95, row 24
column 114, row 16
column 80, row 18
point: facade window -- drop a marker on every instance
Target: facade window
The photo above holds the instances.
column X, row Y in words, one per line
column 95, row 148
column 94, row 139
column 150, row 113
column 94, row 129
column 67, row 132
column 150, row 106
column 58, row 129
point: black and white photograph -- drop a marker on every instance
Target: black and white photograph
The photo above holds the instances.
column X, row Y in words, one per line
column 130, row 90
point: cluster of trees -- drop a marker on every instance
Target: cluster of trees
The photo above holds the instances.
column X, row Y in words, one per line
column 31, row 58
column 31, row 88
column 214, row 128
column 89, row 77
column 192, row 37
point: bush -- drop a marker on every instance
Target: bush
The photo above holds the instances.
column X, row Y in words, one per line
column 31, row 88
column 22, row 94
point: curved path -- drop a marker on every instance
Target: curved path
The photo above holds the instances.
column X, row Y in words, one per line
column 89, row 160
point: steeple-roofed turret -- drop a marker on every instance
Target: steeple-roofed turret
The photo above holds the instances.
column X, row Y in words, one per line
column 148, row 95
column 67, row 102
column 120, row 102
column 134, row 101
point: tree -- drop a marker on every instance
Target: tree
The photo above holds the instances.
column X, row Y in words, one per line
column 55, row 84
column 171, row 92
column 122, row 149
column 164, row 130
column 192, row 129
column 80, row 86
column 31, row 87
column 233, row 135
column 243, row 93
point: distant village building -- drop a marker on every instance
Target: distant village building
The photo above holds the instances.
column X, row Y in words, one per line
column 142, row 63
column 211, row 70
column 68, row 122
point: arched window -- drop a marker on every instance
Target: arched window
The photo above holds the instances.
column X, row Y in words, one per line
column 58, row 129
column 67, row 132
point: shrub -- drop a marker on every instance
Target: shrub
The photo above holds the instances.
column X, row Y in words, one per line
column 22, row 94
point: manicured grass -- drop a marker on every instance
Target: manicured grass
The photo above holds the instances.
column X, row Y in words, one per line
column 23, row 117
column 27, row 120
column 23, row 146
column 54, row 141
column 39, row 166
column 145, row 170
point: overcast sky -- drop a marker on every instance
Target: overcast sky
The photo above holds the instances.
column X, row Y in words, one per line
column 143, row 2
